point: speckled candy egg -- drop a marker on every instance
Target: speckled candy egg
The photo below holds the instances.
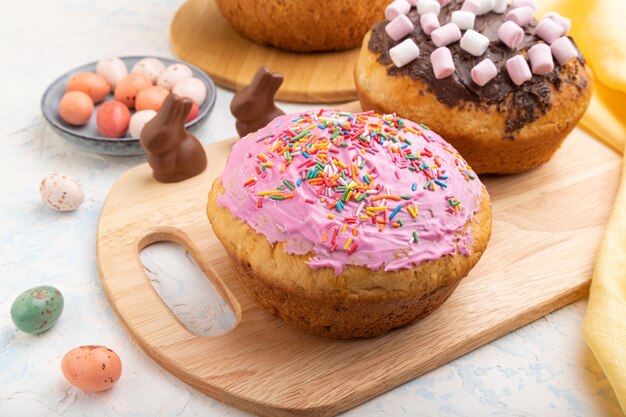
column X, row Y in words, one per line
column 36, row 310
column 193, row 113
column 151, row 98
column 75, row 108
column 193, row 88
column 152, row 67
column 112, row 119
column 94, row 85
column 138, row 121
column 173, row 74
column 61, row 192
column 113, row 69
column 127, row 89
column 92, row 368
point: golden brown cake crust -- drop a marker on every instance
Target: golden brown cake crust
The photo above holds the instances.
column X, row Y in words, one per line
column 303, row 25
column 478, row 132
column 358, row 302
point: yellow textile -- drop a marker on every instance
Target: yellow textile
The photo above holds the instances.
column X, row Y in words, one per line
column 599, row 29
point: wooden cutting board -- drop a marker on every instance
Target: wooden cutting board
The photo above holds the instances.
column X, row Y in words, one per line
column 200, row 35
column 547, row 226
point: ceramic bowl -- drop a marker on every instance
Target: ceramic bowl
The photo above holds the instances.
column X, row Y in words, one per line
column 87, row 136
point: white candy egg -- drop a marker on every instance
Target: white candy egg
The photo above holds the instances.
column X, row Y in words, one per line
column 61, row 192
column 152, row 67
column 112, row 69
column 138, row 121
column 174, row 74
column 193, row 88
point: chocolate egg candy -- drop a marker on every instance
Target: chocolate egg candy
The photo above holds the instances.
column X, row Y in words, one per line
column 92, row 368
column 36, row 310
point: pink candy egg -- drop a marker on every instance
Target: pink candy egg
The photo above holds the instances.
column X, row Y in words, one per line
column 113, row 119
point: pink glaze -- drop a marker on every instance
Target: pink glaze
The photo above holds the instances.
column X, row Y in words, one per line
column 303, row 221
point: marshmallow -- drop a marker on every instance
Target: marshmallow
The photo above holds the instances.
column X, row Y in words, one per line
column 478, row 7
column 521, row 3
column 397, row 8
column 563, row 21
column 428, row 6
column 471, row 6
column 446, row 34
column 441, row 60
column 483, row 72
column 463, row 19
column 549, row 30
column 522, row 15
column 540, row 57
column 499, row 6
column 475, row 43
column 563, row 50
column 486, row 6
column 511, row 34
column 518, row 70
column 399, row 27
column 429, row 22
column 443, row 3
column 404, row 52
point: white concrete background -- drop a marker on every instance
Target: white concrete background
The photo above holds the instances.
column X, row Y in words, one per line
column 543, row 369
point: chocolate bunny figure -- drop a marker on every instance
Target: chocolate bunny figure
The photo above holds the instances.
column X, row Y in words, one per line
column 173, row 153
column 253, row 106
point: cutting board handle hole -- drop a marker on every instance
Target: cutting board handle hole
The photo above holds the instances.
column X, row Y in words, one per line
column 191, row 296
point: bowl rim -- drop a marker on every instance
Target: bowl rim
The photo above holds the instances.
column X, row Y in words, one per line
column 210, row 100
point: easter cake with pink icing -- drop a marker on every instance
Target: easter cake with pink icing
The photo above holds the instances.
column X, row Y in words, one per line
column 349, row 225
column 502, row 87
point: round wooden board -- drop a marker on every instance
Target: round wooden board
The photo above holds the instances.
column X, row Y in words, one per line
column 200, row 35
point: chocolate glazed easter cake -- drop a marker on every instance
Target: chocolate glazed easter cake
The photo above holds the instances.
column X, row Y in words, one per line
column 349, row 225
column 500, row 86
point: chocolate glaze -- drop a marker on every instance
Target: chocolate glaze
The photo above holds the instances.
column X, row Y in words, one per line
column 173, row 153
column 523, row 104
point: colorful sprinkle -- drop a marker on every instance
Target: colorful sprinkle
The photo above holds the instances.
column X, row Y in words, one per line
column 317, row 145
